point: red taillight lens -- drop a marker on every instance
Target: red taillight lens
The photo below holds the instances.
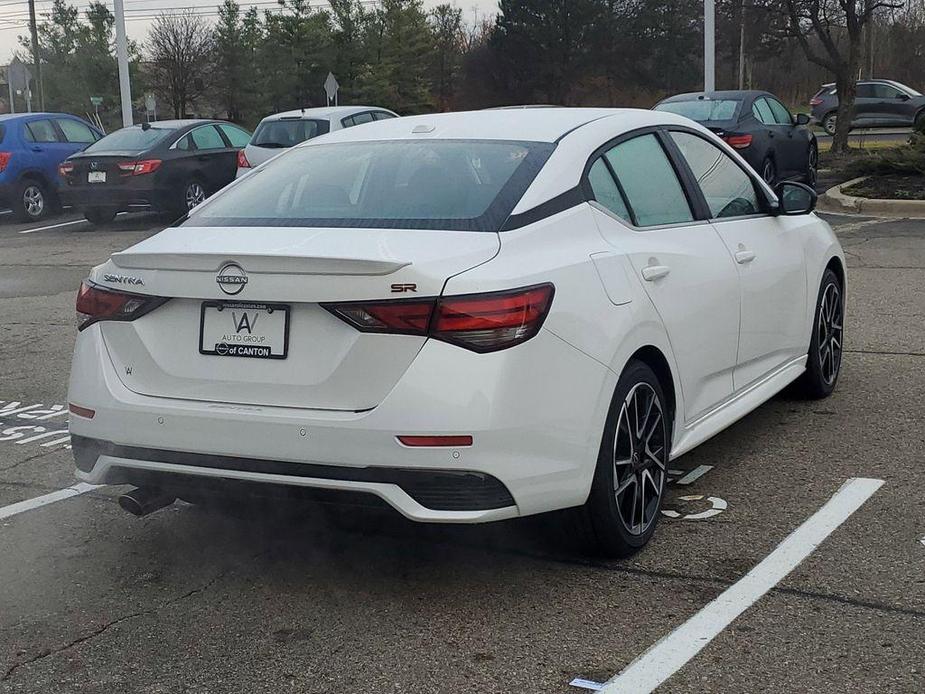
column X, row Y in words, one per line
column 97, row 304
column 65, row 168
column 242, row 160
column 139, row 168
column 738, row 141
column 478, row 322
column 815, row 101
column 5, row 159
column 431, row 441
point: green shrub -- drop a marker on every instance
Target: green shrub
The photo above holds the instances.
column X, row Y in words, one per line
column 907, row 160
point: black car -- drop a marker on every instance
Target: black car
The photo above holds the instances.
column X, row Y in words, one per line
column 878, row 103
column 168, row 166
column 777, row 144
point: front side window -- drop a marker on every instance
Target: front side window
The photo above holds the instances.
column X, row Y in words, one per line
column 606, row 191
column 383, row 115
column 652, row 188
column 781, row 114
column 41, row 131
column 75, row 131
column 468, row 185
column 207, row 137
column 763, row 112
column 728, row 190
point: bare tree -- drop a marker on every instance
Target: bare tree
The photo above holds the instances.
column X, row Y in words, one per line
column 838, row 27
column 179, row 46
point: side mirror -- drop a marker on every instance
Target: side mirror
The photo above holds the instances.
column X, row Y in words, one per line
column 802, row 119
column 795, row 198
column 902, row 97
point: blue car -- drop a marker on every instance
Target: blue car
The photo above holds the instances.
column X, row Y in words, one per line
column 31, row 147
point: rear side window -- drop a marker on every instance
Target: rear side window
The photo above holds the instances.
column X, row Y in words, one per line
column 236, row 136
column 652, row 188
column 763, row 112
column 358, row 119
column 75, row 131
column 278, row 134
column 866, row 91
column 727, row 188
column 2, row 132
column 207, row 137
column 40, row 131
column 606, row 191
column 466, row 185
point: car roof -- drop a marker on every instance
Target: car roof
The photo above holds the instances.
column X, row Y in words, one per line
column 324, row 112
column 180, row 123
column 528, row 125
column 716, row 95
column 37, row 114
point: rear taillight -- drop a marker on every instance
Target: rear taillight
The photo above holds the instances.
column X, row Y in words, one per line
column 65, row 168
column 478, row 322
column 815, row 101
column 242, row 160
column 738, row 141
column 5, row 159
column 139, row 168
column 97, row 304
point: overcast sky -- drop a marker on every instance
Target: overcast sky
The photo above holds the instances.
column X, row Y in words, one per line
column 14, row 15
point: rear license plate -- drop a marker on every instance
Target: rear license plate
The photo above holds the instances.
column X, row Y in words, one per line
column 96, row 177
column 238, row 329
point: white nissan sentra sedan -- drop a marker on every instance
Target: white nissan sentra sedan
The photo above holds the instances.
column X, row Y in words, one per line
column 473, row 316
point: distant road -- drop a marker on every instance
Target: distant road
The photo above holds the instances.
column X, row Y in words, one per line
column 871, row 135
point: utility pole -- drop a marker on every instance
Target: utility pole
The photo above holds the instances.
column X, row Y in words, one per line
column 742, row 47
column 125, row 86
column 709, row 46
column 35, row 56
column 869, row 49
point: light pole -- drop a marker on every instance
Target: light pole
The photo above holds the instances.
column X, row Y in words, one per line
column 125, row 86
column 709, row 46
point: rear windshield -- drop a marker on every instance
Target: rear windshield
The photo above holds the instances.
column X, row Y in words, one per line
column 703, row 110
column 469, row 185
column 279, row 134
column 131, row 139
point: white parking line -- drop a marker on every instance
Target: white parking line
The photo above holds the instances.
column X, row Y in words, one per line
column 695, row 474
column 39, row 501
column 53, row 226
column 670, row 654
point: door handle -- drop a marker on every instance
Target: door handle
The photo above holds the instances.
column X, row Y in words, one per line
column 743, row 257
column 36, row 148
column 655, row 272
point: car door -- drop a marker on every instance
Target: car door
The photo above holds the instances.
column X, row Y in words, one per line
column 76, row 134
column 894, row 106
column 790, row 146
column 216, row 161
column 768, row 253
column 644, row 212
column 45, row 146
column 867, row 106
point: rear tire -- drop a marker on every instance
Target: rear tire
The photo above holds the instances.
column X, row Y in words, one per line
column 188, row 196
column 32, row 202
column 823, row 362
column 626, row 495
column 99, row 216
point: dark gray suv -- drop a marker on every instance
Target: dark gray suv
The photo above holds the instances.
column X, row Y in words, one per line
column 879, row 103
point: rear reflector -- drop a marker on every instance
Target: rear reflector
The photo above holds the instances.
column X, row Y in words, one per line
column 96, row 304
column 738, row 141
column 81, row 411
column 431, row 441
column 478, row 322
column 242, row 160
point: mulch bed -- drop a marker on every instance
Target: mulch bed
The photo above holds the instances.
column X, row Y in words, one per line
column 889, row 187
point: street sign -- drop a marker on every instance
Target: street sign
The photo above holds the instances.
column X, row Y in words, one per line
column 96, row 100
column 18, row 75
column 150, row 103
column 330, row 88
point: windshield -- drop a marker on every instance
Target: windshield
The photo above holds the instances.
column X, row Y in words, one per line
column 287, row 133
column 703, row 110
column 437, row 184
column 131, row 139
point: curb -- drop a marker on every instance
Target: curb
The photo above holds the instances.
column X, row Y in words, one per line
column 834, row 200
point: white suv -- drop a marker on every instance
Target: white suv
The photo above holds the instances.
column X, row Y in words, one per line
column 284, row 130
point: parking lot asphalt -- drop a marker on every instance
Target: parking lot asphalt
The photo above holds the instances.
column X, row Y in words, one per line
column 312, row 599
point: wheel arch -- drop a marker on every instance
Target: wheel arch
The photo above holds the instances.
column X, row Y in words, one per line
column 652, row 356
column 835, row 265
column 39, row 177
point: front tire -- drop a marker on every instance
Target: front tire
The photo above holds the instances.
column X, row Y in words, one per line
column 812, row 165
column 829, row 121
column 823, row 362
column 769, row 171
column 32, row 203
column 629, row 480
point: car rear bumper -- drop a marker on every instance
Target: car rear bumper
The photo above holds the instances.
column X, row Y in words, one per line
column 536, row 433
column 117, row 197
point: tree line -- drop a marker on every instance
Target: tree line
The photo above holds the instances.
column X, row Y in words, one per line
column 394, row 53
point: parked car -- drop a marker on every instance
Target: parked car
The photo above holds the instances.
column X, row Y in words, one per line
column 777, row 144
column 31, row 147
column 284, row 130
column 458, row 313
column 878, row 103
column 168, row 166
